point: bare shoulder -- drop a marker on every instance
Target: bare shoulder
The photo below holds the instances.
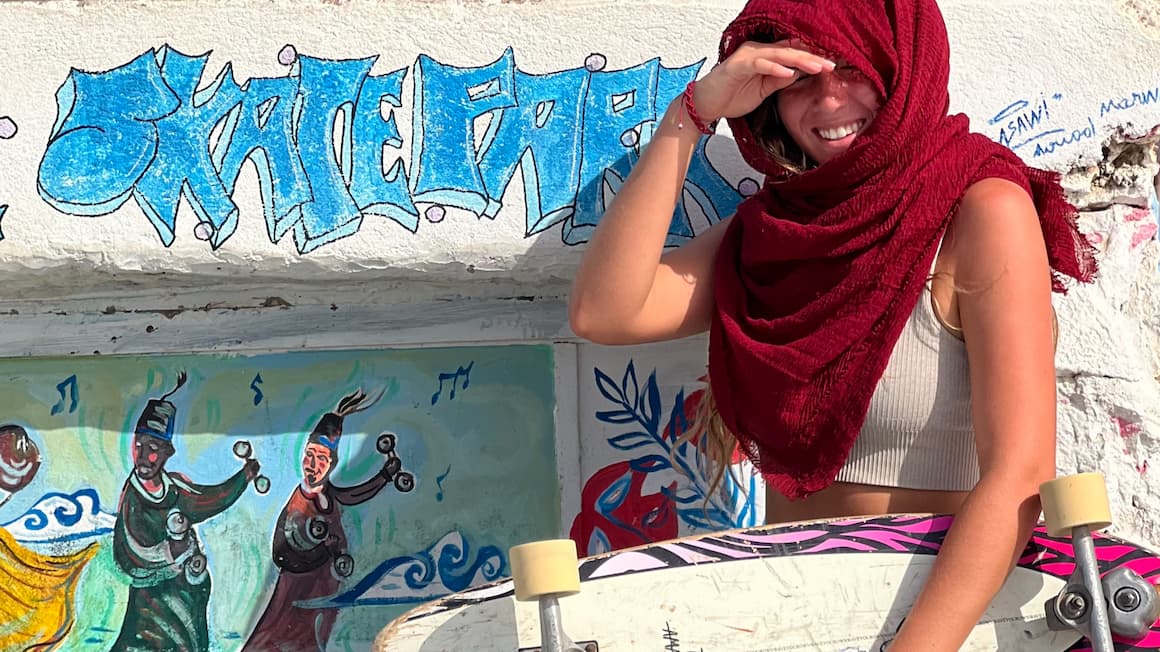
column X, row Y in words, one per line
column 996, row 232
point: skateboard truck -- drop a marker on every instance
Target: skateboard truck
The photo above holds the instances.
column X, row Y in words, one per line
column 1121, row 603
column 545, row 571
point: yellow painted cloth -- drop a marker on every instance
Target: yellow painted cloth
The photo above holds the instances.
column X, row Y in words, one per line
column 36, row 594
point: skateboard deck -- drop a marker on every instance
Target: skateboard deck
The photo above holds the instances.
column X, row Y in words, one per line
column 840, row 585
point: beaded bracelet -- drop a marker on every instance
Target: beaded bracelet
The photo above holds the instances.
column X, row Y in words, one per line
column 691, row 109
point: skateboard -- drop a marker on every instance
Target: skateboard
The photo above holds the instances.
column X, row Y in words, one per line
column 835, row 585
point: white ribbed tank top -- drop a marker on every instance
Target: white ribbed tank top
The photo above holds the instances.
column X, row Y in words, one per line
column 918, row 432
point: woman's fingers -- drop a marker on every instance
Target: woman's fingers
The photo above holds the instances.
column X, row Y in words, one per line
column 772, row 69
column 789, row 57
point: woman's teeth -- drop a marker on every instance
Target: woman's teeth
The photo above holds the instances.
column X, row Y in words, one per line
column 841, row 132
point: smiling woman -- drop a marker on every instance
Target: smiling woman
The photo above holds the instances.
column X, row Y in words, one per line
column 889, row 251
column 824, row 113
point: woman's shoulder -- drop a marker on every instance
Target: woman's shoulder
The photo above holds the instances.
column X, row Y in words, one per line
column 993, row 240
column 996, row 220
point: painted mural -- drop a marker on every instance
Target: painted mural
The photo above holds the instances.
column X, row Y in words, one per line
column 640, row 483
column 325, row 143
column 162, row 127
column 295, row 501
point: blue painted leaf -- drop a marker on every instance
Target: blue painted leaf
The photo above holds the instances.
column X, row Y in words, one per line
column 682, row 496
column 710, row 518
column 616, row 416
column 629, row 389
column 630, row 440
column 696, row 517
column 650, row 463
column 677, row 422
column 650, row 403
column 607, row 387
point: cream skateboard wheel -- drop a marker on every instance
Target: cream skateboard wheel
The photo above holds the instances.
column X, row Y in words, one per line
column 543, row 568
column 1073, row 501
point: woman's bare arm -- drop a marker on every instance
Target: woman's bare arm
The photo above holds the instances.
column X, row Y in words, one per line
column 1006, row 314
column 625, row 290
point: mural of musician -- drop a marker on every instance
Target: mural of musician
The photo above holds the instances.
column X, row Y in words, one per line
column 309, row 544
column 39, row 609
column 154, row 541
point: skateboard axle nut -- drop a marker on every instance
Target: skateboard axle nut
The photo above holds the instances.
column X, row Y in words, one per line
column 1074, row 606
column 1127, row 599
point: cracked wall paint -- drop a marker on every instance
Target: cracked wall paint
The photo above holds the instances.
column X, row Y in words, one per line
column 1109, row 354
column 1144, row 14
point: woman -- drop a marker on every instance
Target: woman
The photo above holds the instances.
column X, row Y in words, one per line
column 880, row 319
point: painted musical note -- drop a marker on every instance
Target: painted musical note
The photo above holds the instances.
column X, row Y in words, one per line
column 439, row 483
column 443, row 377
column 69, row 383
column 254, row 386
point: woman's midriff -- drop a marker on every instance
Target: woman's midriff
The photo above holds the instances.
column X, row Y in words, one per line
column 843, row 499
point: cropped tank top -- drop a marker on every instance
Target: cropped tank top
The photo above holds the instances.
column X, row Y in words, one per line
column 918, row 432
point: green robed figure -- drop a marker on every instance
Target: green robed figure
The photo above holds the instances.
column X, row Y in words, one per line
column 155, row 544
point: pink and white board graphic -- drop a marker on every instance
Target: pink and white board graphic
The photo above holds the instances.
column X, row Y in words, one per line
column 841, row 585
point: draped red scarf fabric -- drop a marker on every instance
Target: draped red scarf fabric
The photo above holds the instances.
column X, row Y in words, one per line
column 819, row 271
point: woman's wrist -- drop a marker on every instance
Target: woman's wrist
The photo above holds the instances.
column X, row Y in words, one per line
column 703, row 121
column 678, row 123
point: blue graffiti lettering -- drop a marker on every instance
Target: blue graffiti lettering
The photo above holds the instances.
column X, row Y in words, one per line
column 326, row 94
column 374, row 192
column 1021, row 124
column 262, row 131
column 448, row 103
column 1075, row 136
column 105, row 136
column 318, row 140
column 181, row 164
column 540, row 137
column 1142, row 98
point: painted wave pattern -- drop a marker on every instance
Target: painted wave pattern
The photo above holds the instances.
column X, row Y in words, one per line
column 449, row 566
column 62, row 518
column 906, row 534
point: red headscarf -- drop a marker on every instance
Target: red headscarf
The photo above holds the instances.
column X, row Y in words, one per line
column 819, row 271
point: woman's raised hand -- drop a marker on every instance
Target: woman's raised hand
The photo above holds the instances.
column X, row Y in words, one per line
column 752, row 73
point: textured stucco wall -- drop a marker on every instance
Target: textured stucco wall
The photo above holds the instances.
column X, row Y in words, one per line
column 502, row 126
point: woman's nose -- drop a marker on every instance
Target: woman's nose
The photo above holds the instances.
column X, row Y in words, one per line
column 833, row 85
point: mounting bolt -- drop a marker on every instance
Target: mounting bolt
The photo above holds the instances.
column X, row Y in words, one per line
column 1074, row 606
column 1127, row 599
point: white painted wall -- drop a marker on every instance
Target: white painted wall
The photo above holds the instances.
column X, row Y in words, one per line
column 106, row 283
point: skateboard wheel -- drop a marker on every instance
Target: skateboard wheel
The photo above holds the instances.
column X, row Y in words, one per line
column 1075, row 500
column 544, row 568
column 262, row 484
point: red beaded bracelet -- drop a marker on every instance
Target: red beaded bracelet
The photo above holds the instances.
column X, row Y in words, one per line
column 691, row 109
